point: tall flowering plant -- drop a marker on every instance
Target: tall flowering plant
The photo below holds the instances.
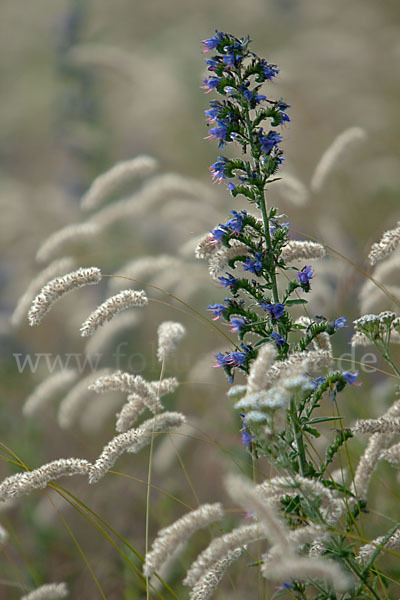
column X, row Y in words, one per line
column 258, row 246
column 287, row 361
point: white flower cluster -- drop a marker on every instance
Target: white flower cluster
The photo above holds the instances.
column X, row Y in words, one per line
column 372, row 327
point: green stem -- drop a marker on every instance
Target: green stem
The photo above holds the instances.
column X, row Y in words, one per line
column 149, row 486
column 262, row 206
column 353, row 567
column 267, row 236
column 299, row 438
column 389, row 359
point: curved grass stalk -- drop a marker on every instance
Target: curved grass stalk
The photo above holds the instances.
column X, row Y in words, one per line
column 91, row 519
column 64, row 493
column 361, row 364
column 83, row 555
column 149, row 484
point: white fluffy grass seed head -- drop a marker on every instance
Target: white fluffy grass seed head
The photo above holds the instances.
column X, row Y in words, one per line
column 147, row 396
column 206, row 246
column 366, row 551
column 207, row 584
column 130, row 412
column 372, row 453
column 58, row 287
column 246, row 494
column 178, row 533
column 297, row 567
column 380, row 425
column 3, row 535
column 302, row 250
column 52, row 270
column 169, row 334
column 218, row 261
column 143, row 268
column 111, row 307
column 120, row 174
column 133, row 384
column 293, row 190
column 333, row 154
column 220, row 547
column 57, row 240
column 48, row 591
column 257, row 379
column 21, row 484
column 388, row 244
column 103, row 337
column 133, row 441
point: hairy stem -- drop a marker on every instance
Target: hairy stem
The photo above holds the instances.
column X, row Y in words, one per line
column 299, row 438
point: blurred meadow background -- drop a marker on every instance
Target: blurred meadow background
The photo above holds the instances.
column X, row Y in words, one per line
column 88, row 83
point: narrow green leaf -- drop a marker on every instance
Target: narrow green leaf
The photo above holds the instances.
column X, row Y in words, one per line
column 296, row 301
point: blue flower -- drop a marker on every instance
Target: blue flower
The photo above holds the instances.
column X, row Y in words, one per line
column 351, row 378
column 247, row 438
column 254, row 265
column 212, row 64
column 232, row 60
column 339, row 323
column 259, row 98
column 317, row 382
column 219, row 233
column 212, row 42
column 238, row 358
column 253, row 98
column 218, row 169
column 274, row 226
column 217, row 310
column 232, row 359
column 231, row 186
column 287, row 586
column 279, row 341
column 236, row 223
column 229, row 281
column 275, row 310
column 213, row 113
column 284, row 117
column 281, row 106
column 210, row 83
column 270, row 71
column 269, row 141
column 219, row 133
column 305, row 275
column 237, row 324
